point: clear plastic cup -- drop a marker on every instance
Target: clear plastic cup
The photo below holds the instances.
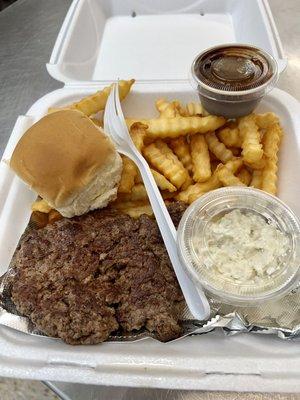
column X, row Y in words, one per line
column 195, row 256
column 231, row 79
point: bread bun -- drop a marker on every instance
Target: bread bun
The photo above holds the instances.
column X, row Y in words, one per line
column 69, row 162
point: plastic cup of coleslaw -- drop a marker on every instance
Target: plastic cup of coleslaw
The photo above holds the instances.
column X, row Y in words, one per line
column 241, row 245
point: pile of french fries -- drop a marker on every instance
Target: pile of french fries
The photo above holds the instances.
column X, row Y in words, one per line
column 191, row 152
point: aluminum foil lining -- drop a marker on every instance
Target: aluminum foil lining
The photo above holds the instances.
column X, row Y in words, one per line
column 281, row 317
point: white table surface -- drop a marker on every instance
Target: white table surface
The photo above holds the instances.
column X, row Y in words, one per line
column 28, row 30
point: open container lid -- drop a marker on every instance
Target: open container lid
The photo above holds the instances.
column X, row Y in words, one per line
column 102, row 40
column 243, row 362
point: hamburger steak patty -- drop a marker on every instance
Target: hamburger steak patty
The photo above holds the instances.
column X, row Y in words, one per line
column 82, row 278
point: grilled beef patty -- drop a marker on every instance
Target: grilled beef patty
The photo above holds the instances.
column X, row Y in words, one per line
column 83, row 278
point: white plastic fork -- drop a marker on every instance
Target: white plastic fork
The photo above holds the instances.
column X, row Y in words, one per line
column 115, row 126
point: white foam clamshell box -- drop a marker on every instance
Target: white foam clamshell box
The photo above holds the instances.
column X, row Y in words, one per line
column 154, row 42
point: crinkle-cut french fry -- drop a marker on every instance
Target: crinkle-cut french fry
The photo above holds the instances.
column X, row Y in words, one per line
column 256, row 165
column 269, row 176
column 129, row 173
column 202, row 188
column 198, row 189
column 162, row 182
column 181, row 126
column 138, row 193
column 131, row 121
column 234, row 165
column 271, row 143
column 205, row 113
column 230, row 137
column 133, row 208
column 138, row 132
column 194, row 108
column 136, row 211
column 188, row 182
column 162, row 158
column 256, row 178
column 265, row 120
column 214, row 165
column 184, row 195
column 54, row 216
column 226, row 173
column 271, row 140
column 177, row 105
column 166, row 109
column 166, row 195
column 96, row 102
column 41, row 206
column 232, row 124
column 244, row 176
column 39, row 219
column 236, row 151
column 252, row 148
column 126, row 202
column 261, row 134
column 181, row 148
column 227, row 178
column 181, row 110
column 218, row 148
column 200, row 158
column 161, row 104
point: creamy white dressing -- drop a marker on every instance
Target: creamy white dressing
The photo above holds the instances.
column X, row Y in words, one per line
column 245, row 248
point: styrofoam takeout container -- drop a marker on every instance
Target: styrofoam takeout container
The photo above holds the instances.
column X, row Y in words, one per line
column 100, row 41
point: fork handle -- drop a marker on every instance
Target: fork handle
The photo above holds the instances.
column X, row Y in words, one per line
column 194, row 297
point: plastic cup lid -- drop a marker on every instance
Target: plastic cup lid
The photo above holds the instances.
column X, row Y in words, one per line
column 235, row 69
column 196, row 257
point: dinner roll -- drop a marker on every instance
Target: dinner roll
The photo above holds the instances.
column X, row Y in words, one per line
column 69, row 162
